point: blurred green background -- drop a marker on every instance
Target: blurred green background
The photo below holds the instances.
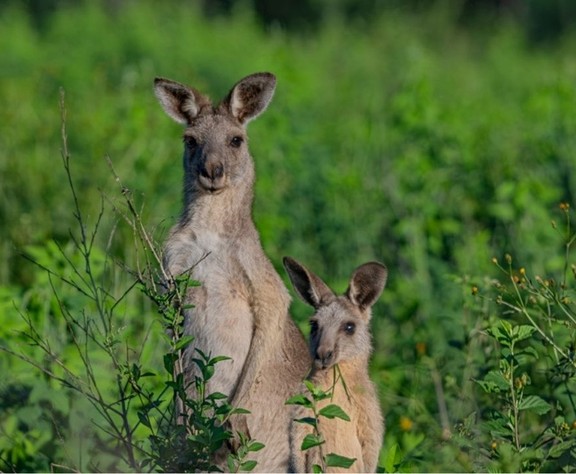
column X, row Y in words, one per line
column 429, row 135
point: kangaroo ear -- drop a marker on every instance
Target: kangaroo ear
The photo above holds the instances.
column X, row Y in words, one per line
column 310, row 288
column 366, row 284
column 180, row 102
column 250, row 96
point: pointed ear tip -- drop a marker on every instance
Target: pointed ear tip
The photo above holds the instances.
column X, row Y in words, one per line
column 380, row 267
column 160, row 84
column 290, row 263
column 269, row 78
column 267, row 74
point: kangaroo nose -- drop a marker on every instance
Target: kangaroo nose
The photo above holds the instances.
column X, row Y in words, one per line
column 324, row 357
column 212, row 171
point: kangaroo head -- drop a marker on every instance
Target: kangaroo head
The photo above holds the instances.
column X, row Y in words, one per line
column 216, row 155
column 339, row 329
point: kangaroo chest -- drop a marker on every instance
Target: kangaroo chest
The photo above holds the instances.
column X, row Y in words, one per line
column 234, row 277
column 343, row 437
column 221, row 319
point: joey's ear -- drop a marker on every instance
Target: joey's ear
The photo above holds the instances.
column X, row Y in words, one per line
column 366, row 284
column 180, row 102
column 250, row 96
column 310, row 288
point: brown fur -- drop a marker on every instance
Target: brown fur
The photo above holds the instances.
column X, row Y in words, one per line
column 241, row 307
column 340, row 337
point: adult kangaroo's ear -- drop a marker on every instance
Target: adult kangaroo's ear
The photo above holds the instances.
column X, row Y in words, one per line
column 180, row 102
column 366, row 284
column 310, row 288
column 250, row 96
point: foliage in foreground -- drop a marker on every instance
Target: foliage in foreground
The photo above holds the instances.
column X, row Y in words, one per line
column 139, row 417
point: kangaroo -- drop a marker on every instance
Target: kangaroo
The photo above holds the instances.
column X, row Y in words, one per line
column 240, row 310
column 339, row 335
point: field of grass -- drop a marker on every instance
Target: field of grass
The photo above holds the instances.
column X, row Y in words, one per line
column 446, row 153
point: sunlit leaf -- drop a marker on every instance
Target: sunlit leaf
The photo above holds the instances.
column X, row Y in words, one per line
column 334, row 411
column 299, row 399
column 534, row 403
column 335, row 460
column 310, row 441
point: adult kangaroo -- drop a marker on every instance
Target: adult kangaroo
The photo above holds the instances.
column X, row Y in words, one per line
column 241, row 308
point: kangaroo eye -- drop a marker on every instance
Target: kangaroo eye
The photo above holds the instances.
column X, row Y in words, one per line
column 313, row 327
column 236, row 142
column 349, row 328
column 190, row 142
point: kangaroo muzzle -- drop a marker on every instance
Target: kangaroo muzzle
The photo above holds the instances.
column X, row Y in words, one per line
column 211, row 175
column 323, row 358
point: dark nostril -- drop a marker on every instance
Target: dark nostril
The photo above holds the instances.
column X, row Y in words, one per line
column 324, row 356
column 204, row 172
column 218, row 171
column 212, row 172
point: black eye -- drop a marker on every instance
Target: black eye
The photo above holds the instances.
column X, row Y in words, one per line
column 349, row 328
column 190, row 142
column 236, row 142
column 313, row 327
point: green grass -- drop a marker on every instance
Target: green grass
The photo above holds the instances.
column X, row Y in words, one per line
column 406, row 140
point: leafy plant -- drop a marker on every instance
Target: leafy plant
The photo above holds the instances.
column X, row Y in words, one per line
column 142, row 418
column 315, row 440
column 535, row 335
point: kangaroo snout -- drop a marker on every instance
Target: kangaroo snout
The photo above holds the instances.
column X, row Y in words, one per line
column 211, row 175
column 323, row 358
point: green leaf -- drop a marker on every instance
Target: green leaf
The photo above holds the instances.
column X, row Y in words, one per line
column 495, row 380
column 231, row 465
column 143, row 417
column 217, row 359
column 248, row 465
column 535, row 404
column 390, row 459
column 216, row 396
column 135, row 371
column 310, row 386
column 169, row 360
column 205, row 358
column 307, row 420
column 335, row 460
column 207, row 372
column 299, row 399
column 316, row 469
column 317, row 393
column 255, row 446
column 224, row 409
column 183, row 342
column 334, row 411
column 501, row 333
column 310, row 441
column 498, row 428
column 557, row 450
column 522, row 332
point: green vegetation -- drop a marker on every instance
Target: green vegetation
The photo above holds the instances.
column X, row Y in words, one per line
column 406, row 139
column 316, row 439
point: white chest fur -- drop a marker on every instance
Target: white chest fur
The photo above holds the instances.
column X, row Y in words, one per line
column 221, row 320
